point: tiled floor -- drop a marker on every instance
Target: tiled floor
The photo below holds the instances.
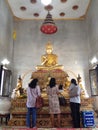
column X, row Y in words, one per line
column 9, row 128
column 3, row 126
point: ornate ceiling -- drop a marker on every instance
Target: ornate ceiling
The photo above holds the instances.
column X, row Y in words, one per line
column 60, row 9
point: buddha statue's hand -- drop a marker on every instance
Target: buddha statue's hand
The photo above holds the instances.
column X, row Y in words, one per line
column 44, row 60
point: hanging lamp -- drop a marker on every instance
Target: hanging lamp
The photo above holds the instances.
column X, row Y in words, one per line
column 48, row 26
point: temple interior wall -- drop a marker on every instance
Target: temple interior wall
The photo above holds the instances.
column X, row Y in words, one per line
column 6, row 29
column 74, row 43
column 93, row 36
column 70, row 43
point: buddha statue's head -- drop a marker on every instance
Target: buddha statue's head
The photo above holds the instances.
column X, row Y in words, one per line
column 49, row 48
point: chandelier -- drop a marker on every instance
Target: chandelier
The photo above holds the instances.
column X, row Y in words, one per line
column 48, row 26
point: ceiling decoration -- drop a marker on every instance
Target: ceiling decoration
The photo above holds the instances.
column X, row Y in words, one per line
column 23, row 8
column 48, row 26
column 33, row 1
column 60, row 9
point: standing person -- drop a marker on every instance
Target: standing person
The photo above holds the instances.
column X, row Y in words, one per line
column 75, row 103
column 33, row 91
column 61, row 88
column 54, row 107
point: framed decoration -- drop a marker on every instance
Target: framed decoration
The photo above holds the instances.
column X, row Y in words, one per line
column 93, row 74
column 5, row 82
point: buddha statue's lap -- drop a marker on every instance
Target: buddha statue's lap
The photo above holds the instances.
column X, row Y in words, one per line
column 40, row 67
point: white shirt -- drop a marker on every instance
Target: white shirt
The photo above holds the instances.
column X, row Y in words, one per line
column 32, row 94
column 75, row 99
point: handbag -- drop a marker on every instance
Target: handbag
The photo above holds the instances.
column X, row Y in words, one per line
column 62, row 101
column 39, row 102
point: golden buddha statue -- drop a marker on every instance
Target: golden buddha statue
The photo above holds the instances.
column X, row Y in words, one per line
column 19, row 88
column 49, row 60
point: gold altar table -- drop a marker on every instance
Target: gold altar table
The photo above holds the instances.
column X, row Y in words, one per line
column 18, row 114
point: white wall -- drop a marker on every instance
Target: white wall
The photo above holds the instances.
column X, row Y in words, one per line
column 6, row 28
column 93, row 35
column 93, row 28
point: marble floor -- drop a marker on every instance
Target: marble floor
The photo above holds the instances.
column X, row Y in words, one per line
column 3, row 126
column 24, row 128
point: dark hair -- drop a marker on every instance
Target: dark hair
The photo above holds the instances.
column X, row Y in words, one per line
column 73, row 81
column 52, row 82
column 60, row 87
column 33, row 83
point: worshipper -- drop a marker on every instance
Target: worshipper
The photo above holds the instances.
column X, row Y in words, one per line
column 74, row 92
column 62, row 100
column 54, row 106
column 61, row 88
column 33, row 91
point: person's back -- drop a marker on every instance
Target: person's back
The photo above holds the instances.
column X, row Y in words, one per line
column 33, row 91
column 76, row 90
column 52, row 91
column 75, row 103
column 61, row 88
column 32, row 95
column 54, row 106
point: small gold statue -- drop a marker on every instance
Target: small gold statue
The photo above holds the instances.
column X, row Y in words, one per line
column 18, row 91
column 49, row 60
column 83, row 91
column 19, row 88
